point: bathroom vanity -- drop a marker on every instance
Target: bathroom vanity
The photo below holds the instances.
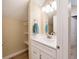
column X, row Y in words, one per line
column 43, row 48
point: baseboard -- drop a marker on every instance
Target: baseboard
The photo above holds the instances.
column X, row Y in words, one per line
column 15, row 54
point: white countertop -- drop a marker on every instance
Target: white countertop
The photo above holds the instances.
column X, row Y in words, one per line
column 46, row 41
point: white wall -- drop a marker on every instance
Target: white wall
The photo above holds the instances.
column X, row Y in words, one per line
column 15, row 8
column 74, row 2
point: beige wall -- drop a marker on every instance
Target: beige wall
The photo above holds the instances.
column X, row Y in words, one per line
column 14, row 12
column 34, row 14
column 44, row 21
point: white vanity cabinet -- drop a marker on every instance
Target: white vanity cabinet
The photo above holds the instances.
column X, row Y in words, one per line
column 35, row 53
column 45, row 56
column 40, row 51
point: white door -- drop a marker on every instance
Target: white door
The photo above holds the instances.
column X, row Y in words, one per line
column 62, row 29
column 44, row 55
column 35, row 53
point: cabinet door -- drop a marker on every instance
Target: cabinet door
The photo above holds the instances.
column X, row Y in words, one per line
column 35, row 53
column 44, row 55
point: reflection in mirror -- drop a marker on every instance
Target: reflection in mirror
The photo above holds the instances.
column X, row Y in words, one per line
column 50, row 11
column 35, row 27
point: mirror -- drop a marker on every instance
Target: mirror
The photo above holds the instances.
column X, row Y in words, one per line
column 49, row 11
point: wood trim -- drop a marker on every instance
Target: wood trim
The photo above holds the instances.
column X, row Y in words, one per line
column 15, row 54
column 26, row 42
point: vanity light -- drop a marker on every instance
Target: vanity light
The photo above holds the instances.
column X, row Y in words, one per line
column 50, row 8
column 47, row 9
column 54, row 5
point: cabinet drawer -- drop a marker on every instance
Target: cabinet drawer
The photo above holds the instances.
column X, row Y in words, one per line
column 35, row 50
column 35, row 53
column 46, row 56
column 44, row 48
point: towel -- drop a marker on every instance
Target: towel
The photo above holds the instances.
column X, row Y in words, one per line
column 46, row 28
column 35, row 28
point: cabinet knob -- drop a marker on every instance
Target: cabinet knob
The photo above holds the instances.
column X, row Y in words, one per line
column 58, row 47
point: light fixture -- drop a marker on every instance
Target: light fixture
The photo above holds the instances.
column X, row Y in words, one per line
column 54, row 5
column 50, row 8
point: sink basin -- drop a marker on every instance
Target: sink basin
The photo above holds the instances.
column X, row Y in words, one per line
column 44, row 40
